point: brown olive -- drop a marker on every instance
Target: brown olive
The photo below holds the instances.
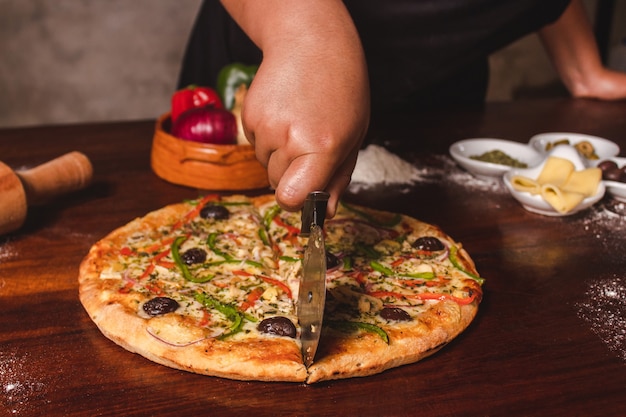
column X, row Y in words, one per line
column 194, row 256
column 331, row 260
column 607, row 165
column 428, row 243
column 615, row 174
column 394, row 313
column 278, row 325
column 214, row 211
column 160, row 305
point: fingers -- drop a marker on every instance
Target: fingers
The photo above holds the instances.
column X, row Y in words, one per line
column 340, row 181
column 293, row 179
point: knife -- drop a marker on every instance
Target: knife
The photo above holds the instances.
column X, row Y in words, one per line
column 312, row 292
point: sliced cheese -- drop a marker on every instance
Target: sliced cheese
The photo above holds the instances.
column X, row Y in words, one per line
column 524, row 184
column 556, row 171
column 560, row 185
column 561, row 200
column 584, row 182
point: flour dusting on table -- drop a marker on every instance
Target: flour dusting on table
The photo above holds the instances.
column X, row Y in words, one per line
column 18, row 385
column 604, row 309
column 378, row 166
column 603, row 306
column 7, row 252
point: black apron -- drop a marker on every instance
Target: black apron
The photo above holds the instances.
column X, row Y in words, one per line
column 420, row 53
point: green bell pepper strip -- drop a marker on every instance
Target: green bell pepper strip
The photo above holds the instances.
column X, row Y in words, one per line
column 230, row 78
column 234, row 261
column 377, row 266
column 420, row 275
column 179, row 261
column 347, row 264
column 367, row 251
column 394, row 221
column 349, row 326
column 455, row 262
column 263, row 236
column 182, row 265
column 231, row 313
column 269, row 216
column 211, row 243
column 289, row 258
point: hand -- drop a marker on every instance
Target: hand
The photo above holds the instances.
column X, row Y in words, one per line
column 603, row 84
column 571, row 45
column 307, row 110
column 307, row 116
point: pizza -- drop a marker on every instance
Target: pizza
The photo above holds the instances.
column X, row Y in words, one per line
column 210, row 286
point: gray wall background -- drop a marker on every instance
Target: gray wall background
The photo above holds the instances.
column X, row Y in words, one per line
column 71, row 61
column 78, row 61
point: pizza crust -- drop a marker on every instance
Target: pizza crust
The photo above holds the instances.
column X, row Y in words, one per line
column 342, row 356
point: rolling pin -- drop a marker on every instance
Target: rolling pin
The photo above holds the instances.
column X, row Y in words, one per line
column 21, row 189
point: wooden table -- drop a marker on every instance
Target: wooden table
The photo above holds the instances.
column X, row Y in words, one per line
column 546, row 341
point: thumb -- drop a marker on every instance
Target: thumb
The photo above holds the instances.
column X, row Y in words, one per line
column 315, row 172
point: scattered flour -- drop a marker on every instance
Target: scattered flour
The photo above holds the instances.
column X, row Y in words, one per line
column 604, row 303
column 7, row 252
column 378, row 166
column 604, row 309
column 446, row 170
column 606, row 222
column 18, row 387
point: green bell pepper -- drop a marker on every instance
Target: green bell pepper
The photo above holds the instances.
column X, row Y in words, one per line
column 230, row 78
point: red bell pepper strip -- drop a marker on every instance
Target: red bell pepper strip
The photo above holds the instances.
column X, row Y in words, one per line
column 252, row 297
column 155, row 289
column 149, row 269
column 291, row 230
column 126, row 251
column 277, row 283
column 196, row 210
column 193, row 96
column 269, row 280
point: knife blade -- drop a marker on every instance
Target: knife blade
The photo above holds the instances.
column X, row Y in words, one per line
column 312, row 291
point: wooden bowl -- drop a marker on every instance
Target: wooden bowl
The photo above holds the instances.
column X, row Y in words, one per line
column 204, row 166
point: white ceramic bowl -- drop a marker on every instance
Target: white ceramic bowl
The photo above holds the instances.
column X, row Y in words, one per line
column 567, row 152
column 615, row 188
column 604, row 148
column 463, row 150
column 536, row 203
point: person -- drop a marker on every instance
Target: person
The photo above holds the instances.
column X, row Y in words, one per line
column 327, row 66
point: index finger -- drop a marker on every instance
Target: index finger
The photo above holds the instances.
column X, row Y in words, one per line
column 296, row 178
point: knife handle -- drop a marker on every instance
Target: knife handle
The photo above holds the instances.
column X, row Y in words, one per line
column 314, row 211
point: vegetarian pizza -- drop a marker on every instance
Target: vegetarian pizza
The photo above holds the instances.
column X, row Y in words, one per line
column 210, row 286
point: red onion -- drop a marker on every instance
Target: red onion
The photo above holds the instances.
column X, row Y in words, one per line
column 206, row 125
column 152, row 333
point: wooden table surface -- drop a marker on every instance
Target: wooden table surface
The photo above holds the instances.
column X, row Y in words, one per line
column 549, row 339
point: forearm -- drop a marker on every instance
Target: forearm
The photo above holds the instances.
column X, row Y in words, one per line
column 571, row 45
column 274, row 25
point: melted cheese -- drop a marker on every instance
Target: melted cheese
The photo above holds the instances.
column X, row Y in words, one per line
column 253, row 267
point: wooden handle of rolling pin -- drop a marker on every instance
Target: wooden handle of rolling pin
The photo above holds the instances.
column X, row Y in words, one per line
column 70, row 172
